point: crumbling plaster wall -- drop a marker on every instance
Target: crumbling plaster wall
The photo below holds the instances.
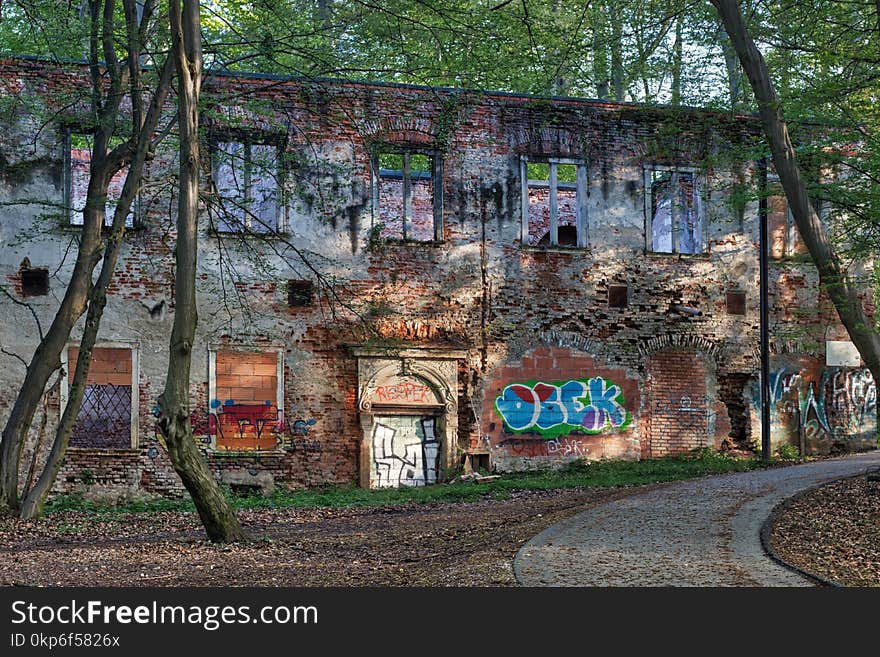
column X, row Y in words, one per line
column 511, row 310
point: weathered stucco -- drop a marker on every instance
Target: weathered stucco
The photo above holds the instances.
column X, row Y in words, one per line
column 481, row 320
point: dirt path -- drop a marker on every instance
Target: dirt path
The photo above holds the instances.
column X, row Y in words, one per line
column 463, row 544
column 702, row 532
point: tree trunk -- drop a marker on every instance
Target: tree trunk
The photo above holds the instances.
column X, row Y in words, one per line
column 36, row 497
column 47, row 357
column 677, row 49
column 600, row 53
column 105, row 101
column 217, row 517
column 734, row 71
column 617, row 74
column 832, row 275
column 41, row 432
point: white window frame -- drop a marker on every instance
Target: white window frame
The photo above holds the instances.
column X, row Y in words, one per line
column 701, row 209
column 436, row 180
column 134, row 347
column 212, row 374
column 583, row 224
column 247, row 220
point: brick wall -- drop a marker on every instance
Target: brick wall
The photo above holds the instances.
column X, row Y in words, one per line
column 523, row 315
column 677, row 416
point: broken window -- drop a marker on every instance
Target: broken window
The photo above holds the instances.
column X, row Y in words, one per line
column 554, row 202
column 79, row 155
column 785, row 240
column 246, row 402
column 247, row 177
column 675, row 211
column 108, row 410
column 407, row 195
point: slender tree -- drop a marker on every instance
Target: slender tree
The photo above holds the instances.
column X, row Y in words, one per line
column 217, row 517
column 36, row 496
column 832, row 274
column 106, row 101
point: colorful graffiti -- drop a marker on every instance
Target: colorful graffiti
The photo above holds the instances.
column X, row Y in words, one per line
column 532, row 445
column 243, row 420
column 839, row 404
column 557, row 409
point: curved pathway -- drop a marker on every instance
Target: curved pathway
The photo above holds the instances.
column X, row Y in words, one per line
column 701, row 532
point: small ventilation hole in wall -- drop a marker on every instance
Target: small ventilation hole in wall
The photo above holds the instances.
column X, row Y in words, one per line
column 34, row 282
column 618, row 296
column 299, row 293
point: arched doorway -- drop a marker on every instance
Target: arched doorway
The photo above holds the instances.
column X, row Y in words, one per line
column 409, row 415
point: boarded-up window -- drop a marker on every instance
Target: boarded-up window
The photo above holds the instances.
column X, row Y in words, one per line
column 245, row 412
column 79, row 163
column 104, row 419
column 785, row 240
column 406, row 195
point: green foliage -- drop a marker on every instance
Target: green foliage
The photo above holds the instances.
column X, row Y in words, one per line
column 579, row 474
column 541, row 171
column 786, row 452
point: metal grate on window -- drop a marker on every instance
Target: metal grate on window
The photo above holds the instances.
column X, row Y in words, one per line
column 104, row 419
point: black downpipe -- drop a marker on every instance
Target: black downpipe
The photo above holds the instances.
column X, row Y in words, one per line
column 763, row 240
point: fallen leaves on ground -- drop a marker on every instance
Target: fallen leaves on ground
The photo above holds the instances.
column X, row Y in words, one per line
column 449, row 544
column 833, row 532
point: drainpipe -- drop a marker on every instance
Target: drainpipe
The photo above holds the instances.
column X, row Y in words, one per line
column 765, row 337
column 802, row 438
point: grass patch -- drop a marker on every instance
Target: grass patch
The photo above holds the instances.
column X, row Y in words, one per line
column 578, row 474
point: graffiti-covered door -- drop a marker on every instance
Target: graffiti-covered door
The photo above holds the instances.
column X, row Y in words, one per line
column 404, row 450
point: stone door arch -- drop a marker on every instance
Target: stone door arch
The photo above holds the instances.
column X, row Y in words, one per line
column 408, row 409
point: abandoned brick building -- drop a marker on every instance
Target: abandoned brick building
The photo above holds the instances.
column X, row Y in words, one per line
column 397, row 281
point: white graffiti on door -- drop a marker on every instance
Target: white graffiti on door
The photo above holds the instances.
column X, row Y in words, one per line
column 405, row 454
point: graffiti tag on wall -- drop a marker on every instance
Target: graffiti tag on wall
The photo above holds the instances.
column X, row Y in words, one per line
column 413, row 393
column 557, row 409
column 405, row 452
column 840, row 404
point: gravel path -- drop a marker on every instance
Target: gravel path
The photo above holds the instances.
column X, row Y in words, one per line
column 703, row 532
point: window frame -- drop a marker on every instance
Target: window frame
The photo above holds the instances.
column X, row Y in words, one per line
column 243, row 348
column 794, row 246
column 437, row 188
column 699, row 186
column 64, row 392
column 248, row 141
column 582, row 225
column 132, row 221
